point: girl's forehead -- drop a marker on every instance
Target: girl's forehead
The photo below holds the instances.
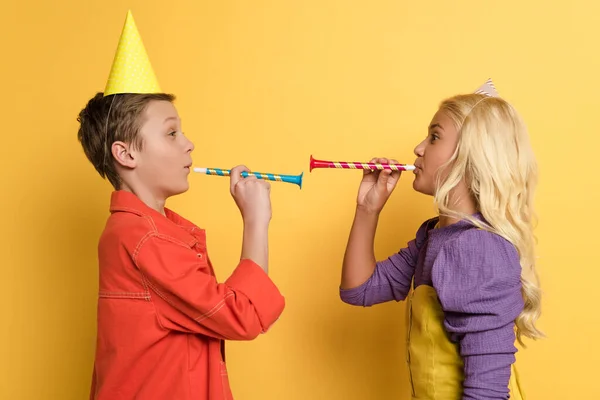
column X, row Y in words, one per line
column 441, row 118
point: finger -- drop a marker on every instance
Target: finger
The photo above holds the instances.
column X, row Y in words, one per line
column 383, row 161
column 393, row 177
column 393, row 180
column 235, row 176
column 367, row 171
column 379, row 161
column 243, row 168
column 383, row 178
column 376, row 172
column 395, row 174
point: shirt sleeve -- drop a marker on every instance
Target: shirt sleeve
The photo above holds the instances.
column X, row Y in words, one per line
column 189, row 299
column 478, row 281
column 391, row 278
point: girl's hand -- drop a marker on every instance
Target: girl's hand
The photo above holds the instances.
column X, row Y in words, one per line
column 377, row 186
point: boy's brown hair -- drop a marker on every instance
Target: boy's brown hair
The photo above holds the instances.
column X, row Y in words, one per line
column 105, row 120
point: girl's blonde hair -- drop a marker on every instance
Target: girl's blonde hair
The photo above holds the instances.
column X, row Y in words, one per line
column 496, row 161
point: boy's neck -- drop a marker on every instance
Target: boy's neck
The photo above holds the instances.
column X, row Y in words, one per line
column 146, row 197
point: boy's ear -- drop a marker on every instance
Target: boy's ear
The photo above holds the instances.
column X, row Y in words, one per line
column 123, row 155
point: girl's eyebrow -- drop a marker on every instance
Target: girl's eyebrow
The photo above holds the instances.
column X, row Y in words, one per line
column 169, row 119
column 435, row 126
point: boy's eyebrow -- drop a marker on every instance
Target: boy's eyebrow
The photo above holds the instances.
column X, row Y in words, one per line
column 435, row 126
column 170, row 118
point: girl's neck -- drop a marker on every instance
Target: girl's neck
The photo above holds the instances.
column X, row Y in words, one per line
column 462, row 202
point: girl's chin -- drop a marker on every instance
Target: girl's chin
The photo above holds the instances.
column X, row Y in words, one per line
column 418, row 187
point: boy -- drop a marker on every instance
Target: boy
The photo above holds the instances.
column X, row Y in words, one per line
column 162, row 316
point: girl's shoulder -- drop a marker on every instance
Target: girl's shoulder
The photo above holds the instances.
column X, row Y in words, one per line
column 475, row 242
column 424, row 229
column 474, row 252
column 478, row 273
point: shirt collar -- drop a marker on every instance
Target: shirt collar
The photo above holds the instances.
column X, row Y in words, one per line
column 124, row 201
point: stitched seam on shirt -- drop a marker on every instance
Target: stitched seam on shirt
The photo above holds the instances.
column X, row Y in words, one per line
column 200, row 318
column 138, row 247
column 161, row 294
column 146, row 281
column 161, row 236
column 129, row 209
column 156, row 314
column 173, row 240
column 213, row 310
column 124, row 295
column 136, row 251
column 110, row 292
column 151, row 222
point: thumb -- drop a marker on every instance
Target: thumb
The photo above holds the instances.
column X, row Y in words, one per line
column 235, row 176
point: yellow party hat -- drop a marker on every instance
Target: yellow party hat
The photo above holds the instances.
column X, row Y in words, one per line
column 131, row 71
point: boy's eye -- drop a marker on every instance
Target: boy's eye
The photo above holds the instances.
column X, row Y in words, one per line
column 172, row 133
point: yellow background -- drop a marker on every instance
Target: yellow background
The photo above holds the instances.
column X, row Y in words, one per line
column 267, row 83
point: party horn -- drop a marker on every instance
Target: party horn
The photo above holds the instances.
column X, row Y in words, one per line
column 358, row 165
column 297, row 179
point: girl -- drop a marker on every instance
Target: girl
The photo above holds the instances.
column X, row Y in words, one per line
column 472, row 268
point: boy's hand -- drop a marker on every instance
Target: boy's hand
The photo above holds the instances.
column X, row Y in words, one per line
column 377, row 186
column 252, row 196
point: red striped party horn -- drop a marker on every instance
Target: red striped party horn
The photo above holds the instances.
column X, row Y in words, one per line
column 358, row 165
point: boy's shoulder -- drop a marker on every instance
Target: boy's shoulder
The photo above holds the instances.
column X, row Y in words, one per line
column 131, row 221
column 127, row 227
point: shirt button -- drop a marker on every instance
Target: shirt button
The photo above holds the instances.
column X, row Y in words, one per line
column 200, row 255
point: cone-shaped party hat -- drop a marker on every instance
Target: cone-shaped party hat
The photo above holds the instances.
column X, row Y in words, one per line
column 131, row 71
column 488, row 89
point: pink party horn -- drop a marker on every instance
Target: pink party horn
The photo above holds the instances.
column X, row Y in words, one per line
column 358, row 165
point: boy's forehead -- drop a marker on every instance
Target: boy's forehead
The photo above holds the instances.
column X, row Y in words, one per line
column 161, row 111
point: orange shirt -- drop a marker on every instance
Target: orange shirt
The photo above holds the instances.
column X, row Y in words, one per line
column 162, row 315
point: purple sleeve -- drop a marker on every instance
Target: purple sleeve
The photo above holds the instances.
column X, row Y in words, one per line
column 478, row 281
column 391, row 278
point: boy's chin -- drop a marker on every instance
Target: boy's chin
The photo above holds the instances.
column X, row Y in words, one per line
column 179, row 190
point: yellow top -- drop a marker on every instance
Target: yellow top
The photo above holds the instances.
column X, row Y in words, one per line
column 131, row 71
column 434, row 362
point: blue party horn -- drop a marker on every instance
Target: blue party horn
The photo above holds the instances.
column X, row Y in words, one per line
column 296, row 179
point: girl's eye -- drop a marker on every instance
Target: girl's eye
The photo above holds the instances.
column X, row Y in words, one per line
column 433, row 137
